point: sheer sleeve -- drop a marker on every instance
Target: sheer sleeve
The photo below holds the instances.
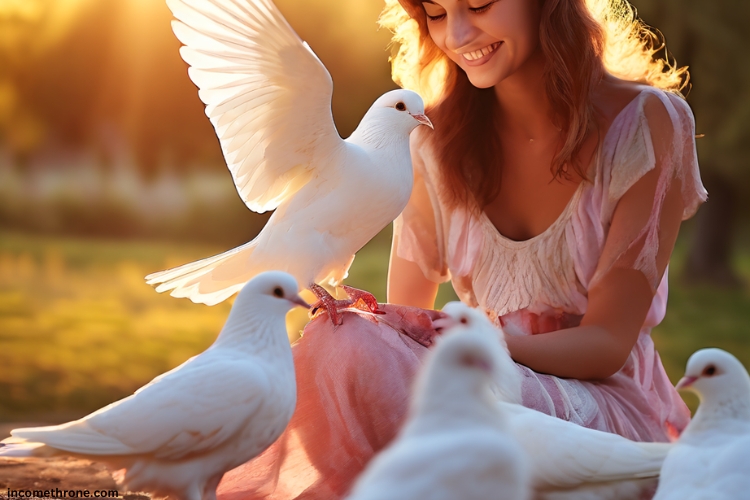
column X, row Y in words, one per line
column 418, row 231
column 652, row 182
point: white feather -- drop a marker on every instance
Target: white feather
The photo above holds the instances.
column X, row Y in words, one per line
column 567, row 460
column 269, row 99
column 710, row 460
column 455, row 443
column 182, row 431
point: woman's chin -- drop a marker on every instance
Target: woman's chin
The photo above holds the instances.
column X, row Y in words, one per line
column 482, row 80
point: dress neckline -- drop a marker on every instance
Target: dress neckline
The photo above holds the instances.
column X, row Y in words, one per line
column 568, row 210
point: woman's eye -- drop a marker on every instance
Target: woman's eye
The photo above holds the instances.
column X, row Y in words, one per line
column 432, row 11
column 483, row 8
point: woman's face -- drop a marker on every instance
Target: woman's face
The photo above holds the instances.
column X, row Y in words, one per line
column 488, row 39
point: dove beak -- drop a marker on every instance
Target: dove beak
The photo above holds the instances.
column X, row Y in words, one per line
column 297, row 300
column 444, row 323
column 423, row 120
column 685, row 382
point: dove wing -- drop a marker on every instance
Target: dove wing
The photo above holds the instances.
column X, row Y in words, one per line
column 267, row 94
column 188, row 410
column 564, row 454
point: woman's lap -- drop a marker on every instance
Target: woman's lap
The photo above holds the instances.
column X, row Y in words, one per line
column 353, row 385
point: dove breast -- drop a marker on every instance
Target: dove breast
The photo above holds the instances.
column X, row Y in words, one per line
column 471, row 464
column 710, row 460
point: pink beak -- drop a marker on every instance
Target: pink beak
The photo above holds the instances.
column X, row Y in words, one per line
column 685, row 382
column 297, row 300
column 444, row 323
column 423, row 120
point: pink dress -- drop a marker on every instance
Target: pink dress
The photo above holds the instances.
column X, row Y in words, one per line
column 354, row 380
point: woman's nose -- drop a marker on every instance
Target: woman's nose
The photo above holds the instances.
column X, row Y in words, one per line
column 460, row 32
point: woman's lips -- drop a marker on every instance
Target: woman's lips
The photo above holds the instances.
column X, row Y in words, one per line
column 480, row 56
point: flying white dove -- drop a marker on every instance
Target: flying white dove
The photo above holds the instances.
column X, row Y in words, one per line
column 710, row 460
column 180, row 433
column 567, row 460
column 455, row 443
column 269, row 99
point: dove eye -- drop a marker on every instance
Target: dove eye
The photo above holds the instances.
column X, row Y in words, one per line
column 401, row 106
column 709, row 371
column 278, row 292
column 463, row 320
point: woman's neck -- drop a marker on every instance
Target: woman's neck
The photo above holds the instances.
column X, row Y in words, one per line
column 524, row 109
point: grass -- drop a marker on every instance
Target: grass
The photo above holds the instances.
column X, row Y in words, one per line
column 79, row 328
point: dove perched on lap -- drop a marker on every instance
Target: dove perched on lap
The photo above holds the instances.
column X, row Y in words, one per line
column 710, row 460
column 566, row 460
column 180, row 433
column 455, row 443
column 269, row 99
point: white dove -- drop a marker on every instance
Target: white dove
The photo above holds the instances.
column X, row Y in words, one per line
column 455, row 443
column 567, row 460
column 710, row 460
column 269, row 99
column 180, row 433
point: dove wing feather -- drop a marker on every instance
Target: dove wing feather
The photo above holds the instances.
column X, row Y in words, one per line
column 565, row 454
column 191, row 411
column 184, row 413
column 266, row 93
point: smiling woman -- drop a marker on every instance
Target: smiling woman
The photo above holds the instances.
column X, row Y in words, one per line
column 550, row 194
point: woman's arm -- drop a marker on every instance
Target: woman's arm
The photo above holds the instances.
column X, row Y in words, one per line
column 407, row 284
column 620, row 300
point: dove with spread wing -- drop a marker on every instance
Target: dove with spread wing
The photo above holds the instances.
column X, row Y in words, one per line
column 710, row 460
column 269, row 99
column 179, row 434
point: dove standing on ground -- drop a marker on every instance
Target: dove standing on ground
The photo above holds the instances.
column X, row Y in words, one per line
column 180, row 433
column 455, row 443
column 269, row 99
column 710, row 460
column 566, row 459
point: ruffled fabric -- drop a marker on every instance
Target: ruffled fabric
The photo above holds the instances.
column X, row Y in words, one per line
column 556, row 268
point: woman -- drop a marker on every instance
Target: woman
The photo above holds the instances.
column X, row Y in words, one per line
column 550, row 193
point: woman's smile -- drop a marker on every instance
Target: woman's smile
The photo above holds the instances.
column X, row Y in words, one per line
column 480, row 56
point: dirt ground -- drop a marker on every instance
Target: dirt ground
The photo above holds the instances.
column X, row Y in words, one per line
column 63, row 473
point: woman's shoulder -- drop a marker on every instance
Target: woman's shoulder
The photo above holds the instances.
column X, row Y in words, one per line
column 645, row 128
column 616, row 99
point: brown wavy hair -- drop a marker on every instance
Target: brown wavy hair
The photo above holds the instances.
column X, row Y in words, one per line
column 580, row 40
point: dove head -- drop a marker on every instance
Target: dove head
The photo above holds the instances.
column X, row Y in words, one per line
column 274, row 291
column 263, row 301
column 476, row 328
column 717, row 377
column 396, row 112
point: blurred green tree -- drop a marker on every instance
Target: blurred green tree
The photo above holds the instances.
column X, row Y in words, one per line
column 712, row 38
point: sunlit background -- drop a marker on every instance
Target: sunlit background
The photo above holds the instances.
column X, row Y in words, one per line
column 109, row 170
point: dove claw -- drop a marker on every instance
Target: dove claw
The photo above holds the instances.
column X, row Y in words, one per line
column 358, row 299
column 328, row 303
column 356, row 295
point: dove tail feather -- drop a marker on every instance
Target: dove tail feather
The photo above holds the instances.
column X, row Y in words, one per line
column 644, row 461
column 25, row 449
column 73, row 437
column 210, row 280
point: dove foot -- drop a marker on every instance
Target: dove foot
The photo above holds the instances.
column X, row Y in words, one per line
column 368, row 300
column 358, row 299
